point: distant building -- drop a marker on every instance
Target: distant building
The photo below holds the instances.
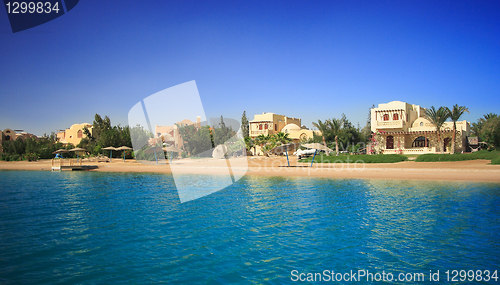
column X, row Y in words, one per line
column 404, row 129
column 270, row 124
column 170, row 134
column 74, row 134
column 9, row 134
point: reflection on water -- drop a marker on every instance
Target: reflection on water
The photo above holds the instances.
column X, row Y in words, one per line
column 107, row 228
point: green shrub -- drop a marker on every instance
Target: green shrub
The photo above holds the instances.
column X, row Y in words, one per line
column 482, row 154
column 377, row 158
column 496, row 160
column 184, row 154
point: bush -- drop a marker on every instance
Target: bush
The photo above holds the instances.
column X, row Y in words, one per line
column 184, row 154
column 496, row 160
column 377, row 158
column 482, row 154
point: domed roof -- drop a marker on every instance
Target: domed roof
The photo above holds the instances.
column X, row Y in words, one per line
column 290, row 127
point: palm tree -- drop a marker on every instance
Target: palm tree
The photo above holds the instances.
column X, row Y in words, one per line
column 336, row 127
column 330, row 129
column 282, row 138
column 437, row 118
column 249, row 144
column 323, row 128
column 455, row 115
column 262, row 140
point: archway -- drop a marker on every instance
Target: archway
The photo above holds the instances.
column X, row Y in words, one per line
column 420, row 142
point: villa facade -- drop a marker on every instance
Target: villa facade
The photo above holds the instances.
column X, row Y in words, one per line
column 403, row 128
column 74, row 134
column 270, row 124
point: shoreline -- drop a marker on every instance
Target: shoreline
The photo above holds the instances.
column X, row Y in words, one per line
column 472, row 170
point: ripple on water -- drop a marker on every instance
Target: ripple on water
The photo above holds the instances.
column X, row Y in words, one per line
column 108, row 228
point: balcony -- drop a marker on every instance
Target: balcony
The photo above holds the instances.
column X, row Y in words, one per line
column 390, row 124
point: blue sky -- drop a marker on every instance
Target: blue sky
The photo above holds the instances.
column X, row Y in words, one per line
column 313, row 60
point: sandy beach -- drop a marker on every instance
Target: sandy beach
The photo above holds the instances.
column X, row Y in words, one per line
column 474, row 170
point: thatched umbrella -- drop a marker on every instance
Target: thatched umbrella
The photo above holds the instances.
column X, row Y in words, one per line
column 172, row 149
column 154, row 150
column 110, row 148
column 124, row 148
column 283, row 147
column 77, row 149
column 60, row 151
column 316, row 146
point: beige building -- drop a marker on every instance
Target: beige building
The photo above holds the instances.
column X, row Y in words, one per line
column 74, row 134
column 403, row 128
column 9, row 134
column 270, row 124
column 170, row 134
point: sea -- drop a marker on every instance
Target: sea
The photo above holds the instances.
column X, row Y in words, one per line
column 131, row 228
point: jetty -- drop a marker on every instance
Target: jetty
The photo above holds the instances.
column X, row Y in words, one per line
column 72, row 164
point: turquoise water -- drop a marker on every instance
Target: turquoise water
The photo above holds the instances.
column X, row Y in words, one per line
column 88, row 228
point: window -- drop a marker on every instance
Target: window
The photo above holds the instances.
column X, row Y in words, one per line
column 276, row 127
column 7, row 138
column 421, row 124
column 79, row 134
column 260, row 126
column 395, row 117
column 420, row 142
column 158, row 134
column 265, row 126
column 386, row 117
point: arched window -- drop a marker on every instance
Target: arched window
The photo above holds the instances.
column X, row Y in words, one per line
column 386, row 117
column 260, row 126
column 420, row 142
column 265, row 126
column 389, row 144
column 7, row 138
column 79, row 134
column 395, row 117
column 421, row 124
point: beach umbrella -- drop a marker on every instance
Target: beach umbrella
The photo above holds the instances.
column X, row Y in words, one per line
column 285, row 147
column 110, row 148
column 60, row 151
column 316, row 146
column 154, row 150
column 172, row 149
column 124, row 148
column 77, row 149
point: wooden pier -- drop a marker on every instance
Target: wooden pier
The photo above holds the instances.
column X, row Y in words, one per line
column 70, row 164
